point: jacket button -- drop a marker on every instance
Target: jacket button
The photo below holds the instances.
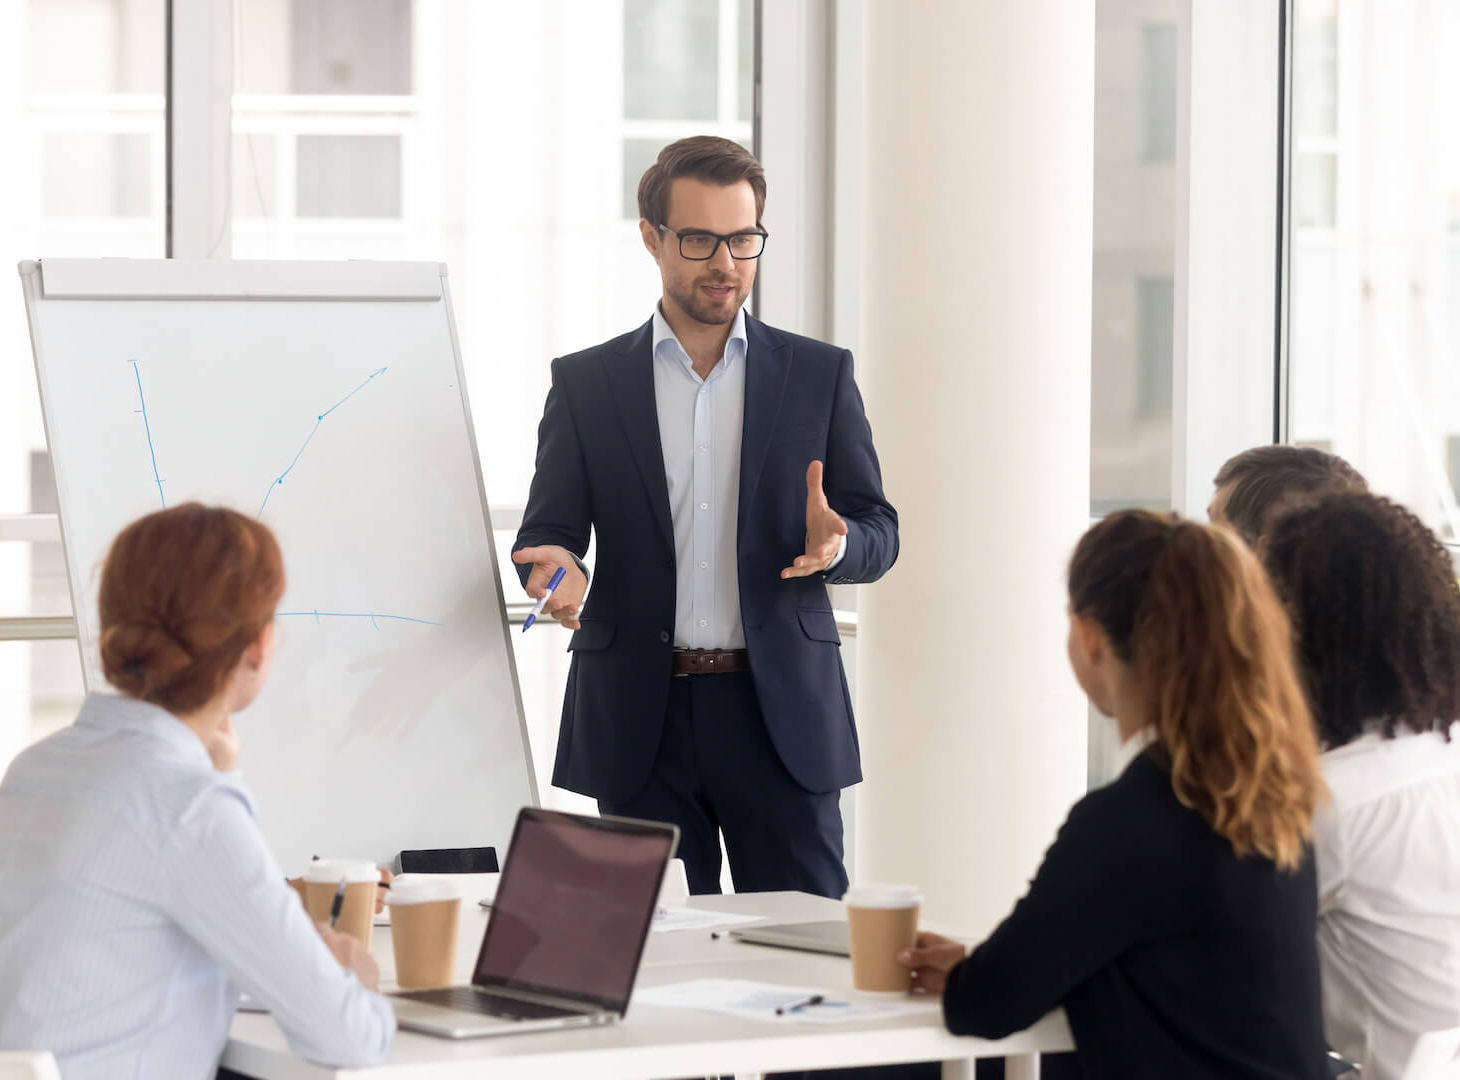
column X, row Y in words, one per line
column 664, row 636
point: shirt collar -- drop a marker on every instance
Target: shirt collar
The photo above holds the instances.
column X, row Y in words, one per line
column 1372, row 741
column 108, row 712
column 666, row 344
column 1131, row 748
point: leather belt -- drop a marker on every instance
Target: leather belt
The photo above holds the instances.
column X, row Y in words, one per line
column 709, row 661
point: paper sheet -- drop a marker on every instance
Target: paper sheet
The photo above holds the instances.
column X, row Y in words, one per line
column 683, row 918
column 758, row 1001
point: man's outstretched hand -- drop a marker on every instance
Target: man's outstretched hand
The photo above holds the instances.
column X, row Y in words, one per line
column 566, row 599
column 824, row 529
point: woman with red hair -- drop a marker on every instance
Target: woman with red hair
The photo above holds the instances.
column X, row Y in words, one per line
column 139, row 896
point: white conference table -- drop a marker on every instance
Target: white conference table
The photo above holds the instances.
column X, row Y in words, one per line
column 662, row 1043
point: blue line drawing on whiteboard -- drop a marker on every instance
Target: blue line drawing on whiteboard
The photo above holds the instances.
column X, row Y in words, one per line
column 147, row 427
column 318, row 420
column 371, row 615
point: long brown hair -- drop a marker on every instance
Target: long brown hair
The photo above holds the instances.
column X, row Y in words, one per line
column 184, row 592
column 1189, row 608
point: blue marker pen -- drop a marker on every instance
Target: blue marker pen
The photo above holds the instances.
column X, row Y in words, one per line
column 537, row 608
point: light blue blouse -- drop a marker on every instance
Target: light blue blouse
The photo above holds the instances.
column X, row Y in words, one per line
column 137, row 896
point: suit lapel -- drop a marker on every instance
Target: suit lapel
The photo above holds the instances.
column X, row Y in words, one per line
column 631, row 379
column 768, row 364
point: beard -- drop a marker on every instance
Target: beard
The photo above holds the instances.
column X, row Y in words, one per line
column 697, row 306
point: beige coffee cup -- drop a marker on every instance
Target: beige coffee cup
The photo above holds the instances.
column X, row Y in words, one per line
column 424, row 912
column 357, row 914
column 882, row 920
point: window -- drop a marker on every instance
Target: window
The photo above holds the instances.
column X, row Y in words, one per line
column 1158, row 85
column 85, row 177
column 503, row 139
column 1135, row 253
column 688, row 69
column 1375, row 263
column 1155, row 313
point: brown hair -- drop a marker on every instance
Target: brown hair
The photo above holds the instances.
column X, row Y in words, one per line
column 1190, row 610
column 702, row 157
column 1267, row 479
column 183, row 593
column 1372, row 594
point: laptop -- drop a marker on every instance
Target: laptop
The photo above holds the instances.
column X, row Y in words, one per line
column 831, row 938
column 567, row 931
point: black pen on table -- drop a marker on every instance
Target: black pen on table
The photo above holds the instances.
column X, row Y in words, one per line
column 797, row 1006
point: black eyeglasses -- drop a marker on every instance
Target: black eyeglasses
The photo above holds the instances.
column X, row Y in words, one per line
column 698, row 246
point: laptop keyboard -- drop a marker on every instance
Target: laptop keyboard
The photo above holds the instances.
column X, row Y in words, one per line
column 467, row 999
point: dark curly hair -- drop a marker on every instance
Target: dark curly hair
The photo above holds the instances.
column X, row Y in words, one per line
column 1376, row 613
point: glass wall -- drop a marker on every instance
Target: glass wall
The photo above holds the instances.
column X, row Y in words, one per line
column 81, row 117
column 1135, row 253
column 1375, row 272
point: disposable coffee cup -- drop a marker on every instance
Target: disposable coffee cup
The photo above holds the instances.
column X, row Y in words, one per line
column 882, row 920
column 357, row 914
column 424, row 912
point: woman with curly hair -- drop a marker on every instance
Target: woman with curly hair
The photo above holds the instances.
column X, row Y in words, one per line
column 1376, row 613
column 1174, row 916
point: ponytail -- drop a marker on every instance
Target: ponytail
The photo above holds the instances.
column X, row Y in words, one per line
column 1188, row 607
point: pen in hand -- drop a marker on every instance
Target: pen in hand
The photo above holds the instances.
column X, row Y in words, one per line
column 338, row 903
column 557, row 579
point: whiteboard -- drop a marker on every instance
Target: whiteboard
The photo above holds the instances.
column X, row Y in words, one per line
column 327, row 400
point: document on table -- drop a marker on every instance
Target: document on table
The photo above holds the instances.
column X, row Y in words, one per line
column 684, row 918
column 758, row 1001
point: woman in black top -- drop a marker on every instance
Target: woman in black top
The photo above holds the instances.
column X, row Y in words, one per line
column 1174, row 915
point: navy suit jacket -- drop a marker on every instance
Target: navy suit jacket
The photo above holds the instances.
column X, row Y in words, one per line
column 600, row 467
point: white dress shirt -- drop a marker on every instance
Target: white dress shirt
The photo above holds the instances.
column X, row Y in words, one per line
column 700, row 427
column 1388, row 860
column 137, row 897
column 700, row 422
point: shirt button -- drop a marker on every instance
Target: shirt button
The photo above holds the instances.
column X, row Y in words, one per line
column 704, row 622
column 703, row 564
column 704, row 506
column 704, row 449
column 663, row 635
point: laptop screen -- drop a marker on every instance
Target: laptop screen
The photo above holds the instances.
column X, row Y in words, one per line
column 573, row 908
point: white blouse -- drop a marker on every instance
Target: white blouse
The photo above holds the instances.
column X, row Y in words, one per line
column 1388, row 855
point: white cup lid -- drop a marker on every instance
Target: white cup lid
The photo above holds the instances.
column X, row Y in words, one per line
column 330, row 871
column 883, row 896
column 421, row 889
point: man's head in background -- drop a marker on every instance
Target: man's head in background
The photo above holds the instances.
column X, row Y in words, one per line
column 1256, row 485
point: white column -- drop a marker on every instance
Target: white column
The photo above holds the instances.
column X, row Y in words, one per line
column 976, row 286
column 201, row 128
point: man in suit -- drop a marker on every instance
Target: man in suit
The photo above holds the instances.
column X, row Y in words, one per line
column 728, row 473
